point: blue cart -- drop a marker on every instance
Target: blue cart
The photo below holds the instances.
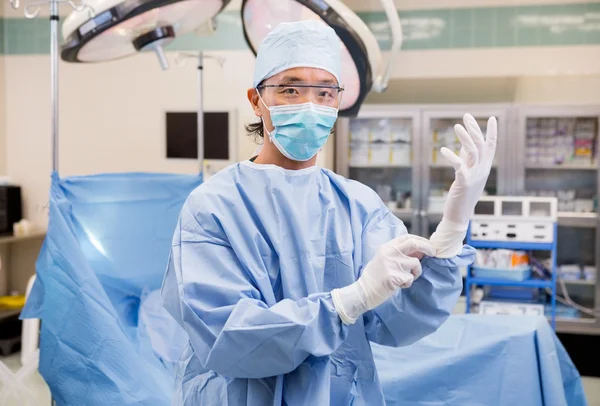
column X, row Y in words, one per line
column 534, row 283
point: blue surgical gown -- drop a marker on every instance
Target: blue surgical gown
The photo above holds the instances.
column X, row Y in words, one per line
column 255, row 255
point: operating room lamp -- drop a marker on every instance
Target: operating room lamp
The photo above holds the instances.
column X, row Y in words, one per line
column 122, row 28
column 362, row 65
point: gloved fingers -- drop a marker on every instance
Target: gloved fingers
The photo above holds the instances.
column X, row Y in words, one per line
column 468, row 158
column 454, row 160
column 414, row 246
column 475, row 131
column 467, row 142
column 406, row 237
column 403, row 279
column 417, row 271
column 491, row 136
column 413, row 265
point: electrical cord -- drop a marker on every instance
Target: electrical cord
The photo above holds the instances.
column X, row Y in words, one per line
column 542, row 271
column 569, row 302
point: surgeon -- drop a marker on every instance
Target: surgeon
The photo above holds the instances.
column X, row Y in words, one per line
column 282, row 272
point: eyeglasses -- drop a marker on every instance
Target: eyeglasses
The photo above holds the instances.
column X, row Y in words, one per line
column 325, row 95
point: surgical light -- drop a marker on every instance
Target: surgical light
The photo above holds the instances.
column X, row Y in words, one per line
column 121, row 28
column 362, row 65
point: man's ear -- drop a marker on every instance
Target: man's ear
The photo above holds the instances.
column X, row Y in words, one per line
column 254, row 101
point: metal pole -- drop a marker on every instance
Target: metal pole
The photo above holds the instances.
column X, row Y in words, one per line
column 200, row 133
column 54, row 80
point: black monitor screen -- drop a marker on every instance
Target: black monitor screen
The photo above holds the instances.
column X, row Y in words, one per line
column 182, row 139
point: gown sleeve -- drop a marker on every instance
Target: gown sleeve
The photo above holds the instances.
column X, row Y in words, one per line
column 418, row 311
column 233, row 332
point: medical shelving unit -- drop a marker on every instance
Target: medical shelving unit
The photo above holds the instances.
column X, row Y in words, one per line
column 489, row 229
column 519, row 170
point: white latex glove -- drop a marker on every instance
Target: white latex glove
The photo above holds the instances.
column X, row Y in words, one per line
column 472, row 167
column 396, row 265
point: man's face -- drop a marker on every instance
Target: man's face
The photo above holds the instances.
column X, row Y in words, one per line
column 294, row 86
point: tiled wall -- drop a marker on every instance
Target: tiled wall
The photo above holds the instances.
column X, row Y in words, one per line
column 547, row 25
column 544, row 25
column 3, row 37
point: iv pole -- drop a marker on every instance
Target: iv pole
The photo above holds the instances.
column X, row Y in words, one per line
column 200, row 113
column 31, row 10
column 54, row 18
column 200, row 57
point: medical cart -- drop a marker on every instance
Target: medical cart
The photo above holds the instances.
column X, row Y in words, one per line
column 514, row 223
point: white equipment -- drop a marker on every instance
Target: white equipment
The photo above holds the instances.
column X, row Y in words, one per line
column 523, row 219
column 507, row 308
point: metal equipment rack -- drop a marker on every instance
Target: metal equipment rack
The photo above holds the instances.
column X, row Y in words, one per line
column 471, row 281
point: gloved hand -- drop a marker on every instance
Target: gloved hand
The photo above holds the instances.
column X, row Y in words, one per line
column 472, row 170
column 396, row 265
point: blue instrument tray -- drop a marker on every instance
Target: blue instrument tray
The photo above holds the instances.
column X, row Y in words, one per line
column 520, row 274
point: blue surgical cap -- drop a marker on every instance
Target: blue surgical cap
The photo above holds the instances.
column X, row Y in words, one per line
column 306, row 44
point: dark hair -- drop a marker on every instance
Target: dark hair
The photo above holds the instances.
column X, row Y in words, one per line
column 256, row 130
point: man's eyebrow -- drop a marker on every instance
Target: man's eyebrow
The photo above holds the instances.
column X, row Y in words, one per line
column 288, row 80
column 328, row 82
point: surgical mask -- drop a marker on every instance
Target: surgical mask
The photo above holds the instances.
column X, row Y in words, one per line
column 301, row 130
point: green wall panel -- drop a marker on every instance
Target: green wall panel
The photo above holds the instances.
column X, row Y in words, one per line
column 518, row 26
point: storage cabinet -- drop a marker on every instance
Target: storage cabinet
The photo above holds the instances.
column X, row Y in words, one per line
column 542, row 151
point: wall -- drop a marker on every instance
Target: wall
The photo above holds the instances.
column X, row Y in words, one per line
column 2, row 96
column 111, row 116
column 3, row 153
column 370, row 5
column 3, row 249
column 559, row 89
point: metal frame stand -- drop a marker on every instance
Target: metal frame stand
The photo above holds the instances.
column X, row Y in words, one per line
column 200, row 113
column 471, row 281
column 54, row 18
column 200, row 57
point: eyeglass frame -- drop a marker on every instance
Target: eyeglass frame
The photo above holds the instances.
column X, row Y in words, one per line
column 338, row 88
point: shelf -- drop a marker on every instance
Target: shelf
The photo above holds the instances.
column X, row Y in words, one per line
column 579, row 282
column 7, row 239
column 566, row 167
column 577, row 325
column 5, row 313
column 381, row 166
column 583, row 220
column 407, row 215
column 448, row 166
column 511, row 245
column 403, row 214
column 434, row 217
column 529, row 283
